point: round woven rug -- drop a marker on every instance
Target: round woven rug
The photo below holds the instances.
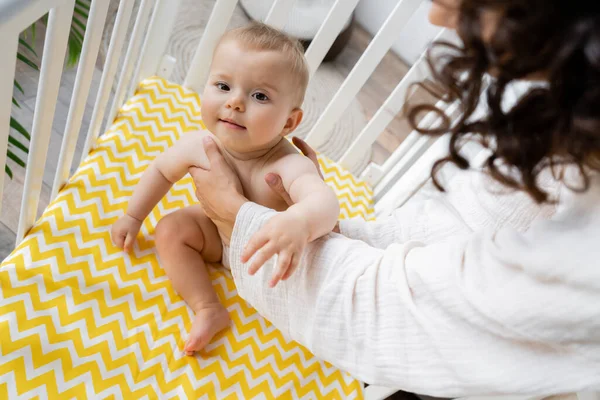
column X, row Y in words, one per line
column 192, row 19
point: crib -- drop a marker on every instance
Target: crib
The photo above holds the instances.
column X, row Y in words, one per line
column 80, row 319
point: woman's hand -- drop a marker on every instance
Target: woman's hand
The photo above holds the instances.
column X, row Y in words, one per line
column 274, row 181
column 218, row 189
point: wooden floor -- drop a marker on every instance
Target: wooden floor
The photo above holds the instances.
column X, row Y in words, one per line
column 378, row 87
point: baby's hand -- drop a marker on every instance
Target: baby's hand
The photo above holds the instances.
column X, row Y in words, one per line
column 286, row 234
column 124, row 231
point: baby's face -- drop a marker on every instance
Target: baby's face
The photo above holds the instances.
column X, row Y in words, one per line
column 248, row 101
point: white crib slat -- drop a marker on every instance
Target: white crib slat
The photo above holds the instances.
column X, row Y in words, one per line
column 55, row 46
column 133, row 52
column 217, row 23
column 279, row 12
column 8, row 49
column 413, row 170
column 409, row 157
column 108, row 74
column 413, row 178
column 430, row 120
column 379, row 176
column 155, row 45
column 83, row 81
column 384, row 115
column 413, row 147
column 377, row 49
column 411, row 141
column 331, row 28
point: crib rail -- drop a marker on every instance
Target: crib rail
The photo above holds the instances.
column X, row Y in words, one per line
column 108, row 73
column 220, row 16
column 89, row 52
column 361, row 72
column 17, row 15
column 134, row 49
column 8, row 47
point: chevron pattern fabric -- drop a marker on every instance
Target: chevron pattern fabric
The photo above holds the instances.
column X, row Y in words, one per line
column 81, row 319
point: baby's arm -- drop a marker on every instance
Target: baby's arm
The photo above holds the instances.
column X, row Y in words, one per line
column 165, row 170
column 313, row 200
column 161, row 174
column 314, row 214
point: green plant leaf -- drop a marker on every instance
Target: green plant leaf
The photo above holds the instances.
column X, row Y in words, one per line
column 18, row 86
column 15, row 158
column 80, row 24
column 76, row 35
column 17, row 144
column 27, row 61
column 26, row 35
column 24, row 43
column 19, row 128
column 76, row 38
column 83, row 4
column 74, row 51
column 81, row 12
column 8, row 171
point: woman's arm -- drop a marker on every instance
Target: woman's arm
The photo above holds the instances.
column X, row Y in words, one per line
column 485, row 313
column 426, row 221
column 472, row 202
column 457, row 318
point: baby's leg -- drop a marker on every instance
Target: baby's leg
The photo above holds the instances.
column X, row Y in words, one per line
column 186, row 239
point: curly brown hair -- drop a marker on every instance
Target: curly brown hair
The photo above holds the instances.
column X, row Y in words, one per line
column 553, row 124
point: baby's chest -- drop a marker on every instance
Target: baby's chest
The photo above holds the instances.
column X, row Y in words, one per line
column 257, row 190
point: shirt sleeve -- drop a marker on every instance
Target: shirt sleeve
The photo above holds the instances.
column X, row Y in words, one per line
column 460, row 317
column 472, row 202
column 427, row 221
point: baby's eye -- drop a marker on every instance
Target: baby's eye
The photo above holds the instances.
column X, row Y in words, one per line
column 260, row 96
column 222, row 86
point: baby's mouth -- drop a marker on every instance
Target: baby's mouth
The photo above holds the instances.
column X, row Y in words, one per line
column 231, row 124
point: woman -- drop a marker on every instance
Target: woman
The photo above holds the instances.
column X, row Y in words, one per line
column 469, row 291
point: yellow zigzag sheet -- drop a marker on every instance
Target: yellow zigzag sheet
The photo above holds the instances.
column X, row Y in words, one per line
column 80, row 319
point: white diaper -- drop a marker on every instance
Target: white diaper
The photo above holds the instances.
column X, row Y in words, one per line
column 225, row 256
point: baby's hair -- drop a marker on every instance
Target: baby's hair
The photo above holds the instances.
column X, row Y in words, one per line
column 259, row 36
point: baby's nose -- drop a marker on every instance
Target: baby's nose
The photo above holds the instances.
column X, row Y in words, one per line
column 235, row 102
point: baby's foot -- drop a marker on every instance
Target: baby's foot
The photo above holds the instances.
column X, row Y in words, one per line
column 209, row 320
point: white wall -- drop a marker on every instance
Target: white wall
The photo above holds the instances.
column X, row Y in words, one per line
column 412, row 40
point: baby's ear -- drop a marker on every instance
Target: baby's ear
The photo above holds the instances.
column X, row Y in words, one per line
column 293, row 121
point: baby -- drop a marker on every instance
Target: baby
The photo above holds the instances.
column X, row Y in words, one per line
column 252, row 99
